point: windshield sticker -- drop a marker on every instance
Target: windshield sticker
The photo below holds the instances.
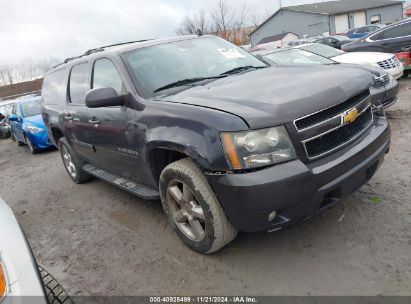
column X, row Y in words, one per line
column 231, row 53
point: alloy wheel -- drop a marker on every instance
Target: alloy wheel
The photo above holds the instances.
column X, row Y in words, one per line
column 30, row 145
column 185, row 210
column 68, row 162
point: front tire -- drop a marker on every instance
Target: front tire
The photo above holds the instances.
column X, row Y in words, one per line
column 73, row 165
column 55, row 293
column 193, row 209
column 32, row 149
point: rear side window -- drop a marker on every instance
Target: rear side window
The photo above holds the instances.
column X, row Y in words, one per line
column 78, row 85
column 54, row 88
column 378, row 36
column 106, row 75
column 398, row 31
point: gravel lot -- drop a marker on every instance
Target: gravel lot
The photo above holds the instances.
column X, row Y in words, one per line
column 99, row 240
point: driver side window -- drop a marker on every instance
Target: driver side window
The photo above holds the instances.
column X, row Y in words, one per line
column 105, row 74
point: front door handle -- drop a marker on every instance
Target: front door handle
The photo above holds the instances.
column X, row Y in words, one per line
column 68, row 117
column 94, row 121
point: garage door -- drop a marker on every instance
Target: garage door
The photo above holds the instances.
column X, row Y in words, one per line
column 359, row 19
column 341, row 23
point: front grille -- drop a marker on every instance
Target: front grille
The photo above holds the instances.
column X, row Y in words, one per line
column 391, row 63
column 316, row 118
column 338, row 138
column 382, row 81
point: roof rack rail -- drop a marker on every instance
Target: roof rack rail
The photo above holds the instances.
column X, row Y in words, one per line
column 122, row 43
column 96, row 50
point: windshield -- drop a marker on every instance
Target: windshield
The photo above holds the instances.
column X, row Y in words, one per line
column 322, row 50
column 31, row 108
column 207, row 57
column 296, row 57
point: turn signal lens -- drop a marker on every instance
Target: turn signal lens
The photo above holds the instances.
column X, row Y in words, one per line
column 3, row 283
column 230, row 151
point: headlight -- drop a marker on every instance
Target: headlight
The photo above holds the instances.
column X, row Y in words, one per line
column 3, row 282
column 259, row 148
column 34, row 130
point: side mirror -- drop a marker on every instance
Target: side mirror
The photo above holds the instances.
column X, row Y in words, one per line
column 13, row 118
column 103, row 97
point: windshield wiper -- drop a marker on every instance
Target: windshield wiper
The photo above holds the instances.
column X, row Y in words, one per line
column 184, row 82
column 241, row 69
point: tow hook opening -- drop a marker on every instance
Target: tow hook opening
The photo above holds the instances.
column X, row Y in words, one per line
column 331, row 198
column 275, row 218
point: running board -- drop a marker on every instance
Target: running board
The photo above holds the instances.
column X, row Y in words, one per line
column 123, row 183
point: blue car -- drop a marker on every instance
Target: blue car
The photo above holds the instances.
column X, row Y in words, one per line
column 363, row 31
column 27, row 126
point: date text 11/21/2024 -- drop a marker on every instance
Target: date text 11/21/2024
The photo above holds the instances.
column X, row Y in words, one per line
column 203, row 299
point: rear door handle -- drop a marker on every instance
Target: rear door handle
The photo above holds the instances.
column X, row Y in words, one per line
column 94, row 121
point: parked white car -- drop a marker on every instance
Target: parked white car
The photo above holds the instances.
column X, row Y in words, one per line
column 21, row 280
column 388, row 62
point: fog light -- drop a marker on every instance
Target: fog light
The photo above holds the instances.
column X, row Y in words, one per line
column 272, row 216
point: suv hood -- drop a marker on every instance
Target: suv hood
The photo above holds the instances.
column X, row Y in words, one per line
column 278, row 95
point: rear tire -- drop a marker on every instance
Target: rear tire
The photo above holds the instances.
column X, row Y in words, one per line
column 193, row 209
column 54, row 292
column 73, row 165
column 13, row 138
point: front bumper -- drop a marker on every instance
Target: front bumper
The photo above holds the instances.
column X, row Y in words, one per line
column 296, row 190
column 24, row 284
column 391, row 94
column 396, row 72
column 386, row 95
column 40, row 140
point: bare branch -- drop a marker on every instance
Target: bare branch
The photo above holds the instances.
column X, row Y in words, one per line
column 222, row 18
column 191, row 25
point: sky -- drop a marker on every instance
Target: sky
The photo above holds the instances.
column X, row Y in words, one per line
column 63, row 28
column 38, row 29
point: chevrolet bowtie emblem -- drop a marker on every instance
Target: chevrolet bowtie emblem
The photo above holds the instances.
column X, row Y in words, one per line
column 350, row 116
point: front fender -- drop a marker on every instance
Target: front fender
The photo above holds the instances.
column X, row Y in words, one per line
column 191, row 130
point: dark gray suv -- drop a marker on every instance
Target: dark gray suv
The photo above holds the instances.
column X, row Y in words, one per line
column 228, row 143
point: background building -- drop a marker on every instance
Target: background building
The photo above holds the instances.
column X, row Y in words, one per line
column 278, row 40
column 328, row 17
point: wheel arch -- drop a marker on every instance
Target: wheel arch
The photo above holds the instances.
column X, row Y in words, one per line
column 56, row 134
column 161, row 155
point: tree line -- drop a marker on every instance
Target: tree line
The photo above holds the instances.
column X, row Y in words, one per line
column 26, row 70
column 224, row 21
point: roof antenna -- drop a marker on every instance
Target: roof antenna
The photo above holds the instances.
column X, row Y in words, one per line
column 199, row 33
